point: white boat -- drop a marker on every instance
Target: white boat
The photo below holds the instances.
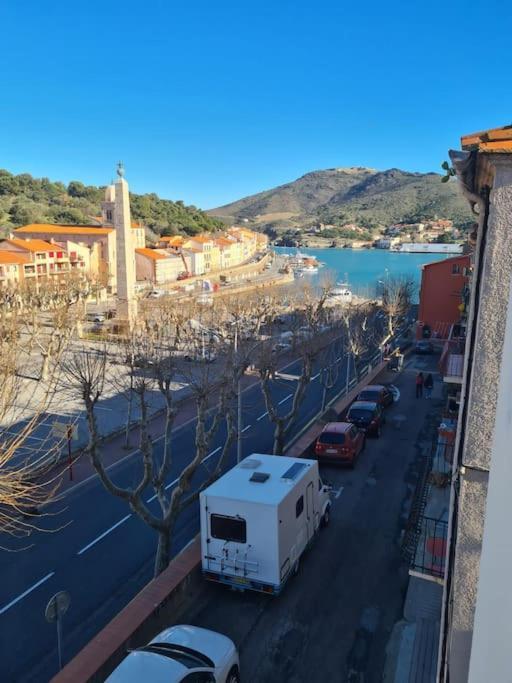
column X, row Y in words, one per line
column 341, row 294
column 307, row 270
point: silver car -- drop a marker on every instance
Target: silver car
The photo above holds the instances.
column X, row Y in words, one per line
column 181, row 654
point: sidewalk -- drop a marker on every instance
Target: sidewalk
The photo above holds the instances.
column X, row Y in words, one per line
column 411, row 655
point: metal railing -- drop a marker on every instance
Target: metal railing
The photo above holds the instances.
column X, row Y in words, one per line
column 430, row 555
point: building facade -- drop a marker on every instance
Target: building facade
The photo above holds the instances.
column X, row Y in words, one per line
column 442, row 292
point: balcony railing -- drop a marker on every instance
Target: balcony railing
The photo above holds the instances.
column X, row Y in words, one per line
column 431, row 549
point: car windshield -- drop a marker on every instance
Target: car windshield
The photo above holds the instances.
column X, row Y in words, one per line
column 360, row 414
column 369, row 395
column 332, row 438
column 186, row 656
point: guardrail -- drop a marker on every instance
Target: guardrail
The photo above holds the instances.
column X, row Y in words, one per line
column 431, row 549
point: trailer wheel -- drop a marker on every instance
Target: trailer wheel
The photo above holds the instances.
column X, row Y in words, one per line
column 233, row 676
column 326, row 518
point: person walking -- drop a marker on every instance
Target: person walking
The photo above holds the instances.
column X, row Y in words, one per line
column 428, row 384
column 419, row 385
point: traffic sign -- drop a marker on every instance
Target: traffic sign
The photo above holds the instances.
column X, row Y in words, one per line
column 57, row 606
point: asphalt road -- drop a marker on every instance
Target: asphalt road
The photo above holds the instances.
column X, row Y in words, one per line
column 333, row 620
column 100, row 553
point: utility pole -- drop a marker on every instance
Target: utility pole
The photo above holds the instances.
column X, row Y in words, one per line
column 239, row 404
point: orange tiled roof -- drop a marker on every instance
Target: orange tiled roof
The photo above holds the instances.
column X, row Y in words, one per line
column 492, row 140
column 151, row 253
column 50, row 229
column 224, row 242
column 199, row 238
column 173, row 240
column 12, row 257
column 136, row 225
column 34, row 245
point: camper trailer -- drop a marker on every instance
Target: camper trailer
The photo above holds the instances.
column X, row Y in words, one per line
column 258, row 519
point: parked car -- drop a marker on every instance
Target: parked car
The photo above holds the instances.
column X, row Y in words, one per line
column 183, row 275
column 377, row 393
column 200, row 357
column 401, row 343
column 340, row 442
column 181, row 653
column 96, row 317
column 423, row 347
column 366, row 415
column 281, row 347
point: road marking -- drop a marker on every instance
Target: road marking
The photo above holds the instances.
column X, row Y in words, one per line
column 262, row 416
column 150, row 500
column 338, row 492
column 246, row 428
column 285, row 399
column 315, row 376
column 105, row 533
column 29, row 590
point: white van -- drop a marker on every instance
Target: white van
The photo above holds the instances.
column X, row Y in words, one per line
column 258, row 519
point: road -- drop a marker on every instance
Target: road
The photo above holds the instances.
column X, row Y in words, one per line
column 333, row 620
column 90, row 545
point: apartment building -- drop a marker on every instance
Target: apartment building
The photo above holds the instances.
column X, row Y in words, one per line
column 36, row 259
column 476, row 625
column 12, row 267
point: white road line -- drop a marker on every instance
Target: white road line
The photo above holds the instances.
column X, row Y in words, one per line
column 315, row 376
column 213, row 453
column 150, row 500
column 246, row 428
column 105, row 533
column 338, row 493
column 285, row 399
column 29, row 590
column 262, row 416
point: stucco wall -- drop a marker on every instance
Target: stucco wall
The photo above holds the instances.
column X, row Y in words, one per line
column 497, row 269
column 490, row 656
column 485, row 361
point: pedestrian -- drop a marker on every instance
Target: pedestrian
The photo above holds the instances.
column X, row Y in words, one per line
column 429, row 383
column 419, row 385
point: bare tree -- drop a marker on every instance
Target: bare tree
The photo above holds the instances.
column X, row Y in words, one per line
column 212, row 389
column 308, row 310
column 397, row 294
column 25, row 479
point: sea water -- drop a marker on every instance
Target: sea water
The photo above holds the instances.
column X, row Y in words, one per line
column 365, row 269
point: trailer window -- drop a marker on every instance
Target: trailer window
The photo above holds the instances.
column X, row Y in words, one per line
column 228, row 528
column 299, row 507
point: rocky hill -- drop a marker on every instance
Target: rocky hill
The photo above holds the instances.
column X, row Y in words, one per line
column 351, row 195
column 24, row 199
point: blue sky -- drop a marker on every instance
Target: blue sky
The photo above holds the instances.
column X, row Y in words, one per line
column 211, row 101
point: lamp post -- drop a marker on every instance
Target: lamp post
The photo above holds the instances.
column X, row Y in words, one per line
column 238, row 404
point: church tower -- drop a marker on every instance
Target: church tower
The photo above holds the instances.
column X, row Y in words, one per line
column 125, row 253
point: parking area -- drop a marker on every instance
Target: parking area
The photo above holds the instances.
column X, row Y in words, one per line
column 333, row 620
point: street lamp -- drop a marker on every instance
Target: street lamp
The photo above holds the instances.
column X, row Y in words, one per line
column 238, row 403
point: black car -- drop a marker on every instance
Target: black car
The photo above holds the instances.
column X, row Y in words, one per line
column 423, row 347
column 376, row 393
column 366, row 415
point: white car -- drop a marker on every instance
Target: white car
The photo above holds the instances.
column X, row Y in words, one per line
column 181, row 654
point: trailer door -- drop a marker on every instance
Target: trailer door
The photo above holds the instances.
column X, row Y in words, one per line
column 310, row 511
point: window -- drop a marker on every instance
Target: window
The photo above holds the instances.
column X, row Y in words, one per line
column 51, row 254
column 109, row 215
column 299, row 507
column 332, row 438
column 455, row 269
column 228, row 528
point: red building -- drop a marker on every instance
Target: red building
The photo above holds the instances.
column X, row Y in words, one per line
column 441, row 296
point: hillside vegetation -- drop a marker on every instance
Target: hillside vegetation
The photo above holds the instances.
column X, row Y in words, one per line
column 24, row 199
column 341, row 196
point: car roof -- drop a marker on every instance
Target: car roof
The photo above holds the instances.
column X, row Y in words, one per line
column 337, row 427
column 365, row 405
column 373, row 387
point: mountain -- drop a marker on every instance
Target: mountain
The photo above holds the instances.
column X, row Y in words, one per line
column 24, row 199
column 351, row 195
